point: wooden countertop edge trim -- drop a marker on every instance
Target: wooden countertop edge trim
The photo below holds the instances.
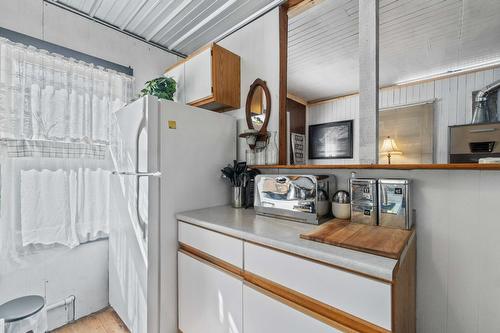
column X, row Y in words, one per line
column 404, row 293
column 324, row 263
column 458, row 166
column 300, row 308
column 305, row 304
column 316, row 261
column 320, row 309
column 197, row 254
column 404, row 253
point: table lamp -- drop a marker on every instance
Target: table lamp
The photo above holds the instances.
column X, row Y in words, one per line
column 389, row 148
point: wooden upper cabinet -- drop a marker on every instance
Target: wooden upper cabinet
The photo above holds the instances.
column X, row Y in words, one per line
column 211, row 79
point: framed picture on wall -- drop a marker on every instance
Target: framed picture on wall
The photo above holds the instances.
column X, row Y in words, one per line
column 331, row 140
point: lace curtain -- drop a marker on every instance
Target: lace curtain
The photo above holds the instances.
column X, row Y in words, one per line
column 47, row 97
column 57, row 122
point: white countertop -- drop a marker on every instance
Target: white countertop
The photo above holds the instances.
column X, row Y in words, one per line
column 285, row 235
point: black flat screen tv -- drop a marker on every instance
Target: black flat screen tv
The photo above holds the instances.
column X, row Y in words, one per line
column 331, row 140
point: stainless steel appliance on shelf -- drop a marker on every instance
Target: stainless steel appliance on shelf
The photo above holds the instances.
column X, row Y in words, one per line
column 363, row 193
column 469, row 143
column 300, row 198
column 394, row 203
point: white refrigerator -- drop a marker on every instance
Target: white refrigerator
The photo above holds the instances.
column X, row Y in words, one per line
column 167, row 160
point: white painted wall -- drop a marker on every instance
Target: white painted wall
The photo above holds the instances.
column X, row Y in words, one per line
column 258, row 46
column 53, row 24
column 453, row 106
column 458, row 252
column 84, row 270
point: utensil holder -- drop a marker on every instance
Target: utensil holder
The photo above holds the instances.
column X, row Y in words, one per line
column 238, row 196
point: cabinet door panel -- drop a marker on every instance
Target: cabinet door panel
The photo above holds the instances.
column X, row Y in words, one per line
column 210, row 300
column 177, row 73
column 360, row 296
column 198, row 71
column 263, row 314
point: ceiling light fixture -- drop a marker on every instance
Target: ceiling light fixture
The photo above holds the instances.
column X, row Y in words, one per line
column 453, row 72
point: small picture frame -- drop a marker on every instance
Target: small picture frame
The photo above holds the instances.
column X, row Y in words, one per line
column 331, row 140
column 298, row 148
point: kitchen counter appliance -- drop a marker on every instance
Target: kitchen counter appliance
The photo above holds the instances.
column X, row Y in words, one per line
column 300, row 198
column 469, row 143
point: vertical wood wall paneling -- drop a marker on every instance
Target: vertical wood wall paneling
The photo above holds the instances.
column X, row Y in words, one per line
column 432, row 221
column 489, row 259
column 453, row 106
column 463, row 262
column 283, row 31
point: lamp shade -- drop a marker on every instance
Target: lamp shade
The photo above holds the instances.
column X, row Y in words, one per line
column 389, row 146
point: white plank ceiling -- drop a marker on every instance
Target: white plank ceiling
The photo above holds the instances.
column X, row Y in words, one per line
column 180, row 25
column 418, row 38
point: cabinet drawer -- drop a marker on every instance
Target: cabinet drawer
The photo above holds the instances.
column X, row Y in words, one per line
column 264, row 314
column 223, row 247
column 360, row 296
column 210, row 300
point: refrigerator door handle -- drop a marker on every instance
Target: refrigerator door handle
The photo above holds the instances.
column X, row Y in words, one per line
column 137, row 174
column 142, row 224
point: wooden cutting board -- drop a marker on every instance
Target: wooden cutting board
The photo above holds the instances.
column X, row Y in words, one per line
column 382, row 241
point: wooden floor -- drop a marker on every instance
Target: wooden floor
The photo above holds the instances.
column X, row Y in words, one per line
column 106, row 321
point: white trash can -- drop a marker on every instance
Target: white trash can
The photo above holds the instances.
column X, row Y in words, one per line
column 24, row 315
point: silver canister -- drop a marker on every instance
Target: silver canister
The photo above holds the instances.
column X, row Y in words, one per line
column 394, row 203
column 363, row 193
column 237, row 197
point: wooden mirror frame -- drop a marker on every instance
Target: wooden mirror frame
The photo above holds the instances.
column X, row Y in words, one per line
column 258, row 83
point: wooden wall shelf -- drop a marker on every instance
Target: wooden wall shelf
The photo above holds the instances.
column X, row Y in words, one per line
column 460, row 166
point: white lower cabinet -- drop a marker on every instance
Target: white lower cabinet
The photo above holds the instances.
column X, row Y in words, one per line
column 210, row 300
column 263, row 314
column 357, row 295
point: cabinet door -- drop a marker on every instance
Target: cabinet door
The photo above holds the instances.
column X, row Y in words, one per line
column 198, row 71
column 177, row 73
column 263, row 314
column 360, row 296
column 210, row 300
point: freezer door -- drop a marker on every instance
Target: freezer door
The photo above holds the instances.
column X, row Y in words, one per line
column 134, row 232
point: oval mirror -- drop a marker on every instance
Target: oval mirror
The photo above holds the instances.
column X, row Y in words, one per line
column 258, row 106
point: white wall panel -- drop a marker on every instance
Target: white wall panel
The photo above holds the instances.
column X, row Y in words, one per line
column 257, row 45
column 458, row 252
column 453, row 106
column 82, row 272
